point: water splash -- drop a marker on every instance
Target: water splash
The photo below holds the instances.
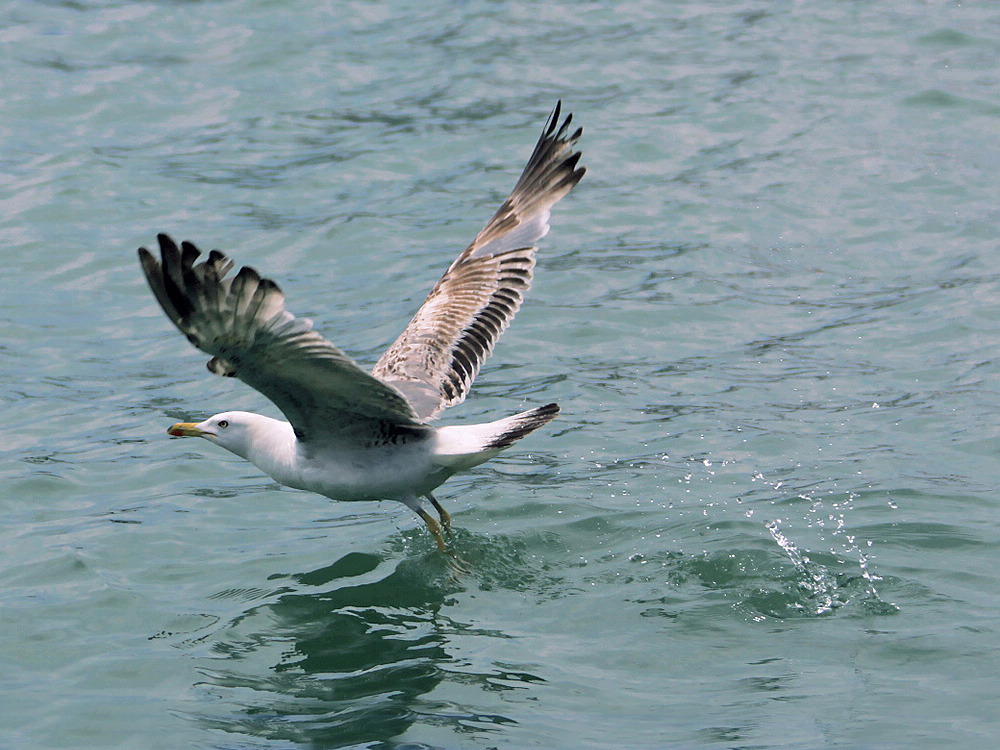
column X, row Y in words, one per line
column 819, row 585
column 826, row 591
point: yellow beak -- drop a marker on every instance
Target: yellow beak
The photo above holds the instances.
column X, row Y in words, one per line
column 186, row 429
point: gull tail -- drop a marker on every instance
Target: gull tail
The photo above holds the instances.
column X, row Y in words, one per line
column 460, row 447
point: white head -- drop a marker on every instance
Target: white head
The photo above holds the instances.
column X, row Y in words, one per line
column 235, row 431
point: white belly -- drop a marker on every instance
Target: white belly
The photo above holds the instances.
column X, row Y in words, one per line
column 384, row 473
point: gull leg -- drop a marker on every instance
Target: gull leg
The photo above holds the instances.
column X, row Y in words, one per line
column 445, row 515
column 413, row 503
column 434, row 527
column 458, row 566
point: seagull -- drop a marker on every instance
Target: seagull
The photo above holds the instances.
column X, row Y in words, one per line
column 352, row 435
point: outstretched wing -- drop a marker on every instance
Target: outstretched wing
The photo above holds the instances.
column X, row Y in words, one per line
column 242, row 322
column 434, row 361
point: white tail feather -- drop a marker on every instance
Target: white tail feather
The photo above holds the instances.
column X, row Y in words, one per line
column 460, row 447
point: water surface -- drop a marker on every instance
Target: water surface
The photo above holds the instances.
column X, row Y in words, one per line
column 767, row 517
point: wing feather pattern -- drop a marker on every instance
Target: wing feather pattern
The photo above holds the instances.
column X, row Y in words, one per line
column 436, row 358
column 242, row 322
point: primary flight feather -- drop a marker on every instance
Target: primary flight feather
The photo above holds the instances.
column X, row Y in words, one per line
column 350, row 434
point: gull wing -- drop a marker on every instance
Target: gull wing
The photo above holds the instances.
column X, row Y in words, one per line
column 434, row 361
column 242, row 322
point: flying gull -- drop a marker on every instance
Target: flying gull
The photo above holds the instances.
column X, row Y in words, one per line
column 350, row 434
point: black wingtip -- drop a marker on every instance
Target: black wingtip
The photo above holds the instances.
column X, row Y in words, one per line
column 552, row 127
column 166, row 242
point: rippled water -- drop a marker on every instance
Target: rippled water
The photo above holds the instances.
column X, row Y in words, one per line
column 767, row 517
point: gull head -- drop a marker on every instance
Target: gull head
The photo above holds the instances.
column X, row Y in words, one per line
column 233, row 430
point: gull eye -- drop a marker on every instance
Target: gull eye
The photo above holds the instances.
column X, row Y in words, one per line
column 223, row 423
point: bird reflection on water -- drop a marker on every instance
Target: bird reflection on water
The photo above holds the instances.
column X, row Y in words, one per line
column 350, row 654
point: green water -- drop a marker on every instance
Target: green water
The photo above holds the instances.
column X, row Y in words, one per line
column 767, row 517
